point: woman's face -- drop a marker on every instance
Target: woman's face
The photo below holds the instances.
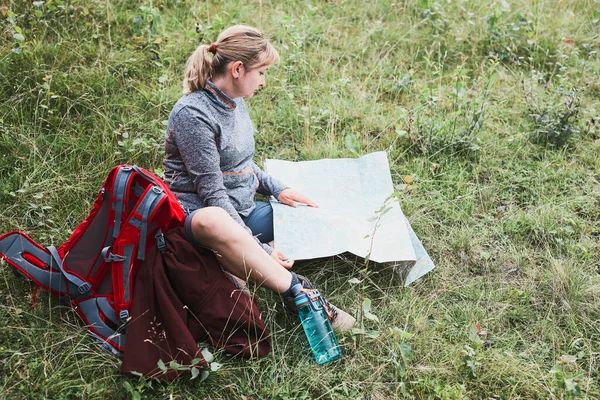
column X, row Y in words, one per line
column 250, row 80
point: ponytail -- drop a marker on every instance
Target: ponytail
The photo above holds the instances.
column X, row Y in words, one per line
column 236, row 43
column 197, row 70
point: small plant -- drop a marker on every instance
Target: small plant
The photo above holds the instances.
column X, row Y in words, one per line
column 434, row 16
column 147, row 22
column 470, row 360
column 402, row 353
column 568, row 382
column 510, row 41
column 555, row 115
column 16, row 33
column 193, row 368
column 136, row 391
column 364, row 310
column 434, row 130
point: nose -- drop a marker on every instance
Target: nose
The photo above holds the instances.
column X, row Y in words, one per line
column 263, row 82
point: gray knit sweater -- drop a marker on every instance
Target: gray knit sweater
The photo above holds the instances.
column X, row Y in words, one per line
column 209, row 149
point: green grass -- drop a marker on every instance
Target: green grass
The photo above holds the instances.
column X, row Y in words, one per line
column 507, row 203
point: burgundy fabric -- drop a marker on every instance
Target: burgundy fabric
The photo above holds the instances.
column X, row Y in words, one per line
column 183, row 297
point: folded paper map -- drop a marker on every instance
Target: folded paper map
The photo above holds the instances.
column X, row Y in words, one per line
column 356, row 213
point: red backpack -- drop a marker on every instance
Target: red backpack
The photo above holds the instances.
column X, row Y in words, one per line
column 94, row 269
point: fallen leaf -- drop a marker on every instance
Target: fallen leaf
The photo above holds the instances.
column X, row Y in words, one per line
column 565, row 359
column 408, row 179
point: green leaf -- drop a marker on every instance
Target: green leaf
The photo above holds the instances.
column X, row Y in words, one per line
column 18, row 37
column 357, row 331
column 371, row 317
column 352, row 144
column 207, row 355
column 195, row 372
column 354, row 281
column 557, row 369
column 136, row 395
column 366, row 305
column 204, row 375
column 405, row 350
column 127, row 386
column 162, row 366
column 215, row 366
column 372, row 334
column 176, row 366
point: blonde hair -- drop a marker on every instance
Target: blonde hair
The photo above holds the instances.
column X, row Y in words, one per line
column 236, row 43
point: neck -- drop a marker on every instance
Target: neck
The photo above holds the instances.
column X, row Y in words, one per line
column 226, row 86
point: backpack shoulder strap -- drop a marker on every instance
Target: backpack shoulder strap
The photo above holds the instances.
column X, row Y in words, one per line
column 82, row 287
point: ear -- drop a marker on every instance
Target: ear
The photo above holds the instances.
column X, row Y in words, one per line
column 237, row 69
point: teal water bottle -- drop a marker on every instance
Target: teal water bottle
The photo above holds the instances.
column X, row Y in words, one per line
column 317, row 327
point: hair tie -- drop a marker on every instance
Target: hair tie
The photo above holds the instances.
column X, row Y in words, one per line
column 213, row 48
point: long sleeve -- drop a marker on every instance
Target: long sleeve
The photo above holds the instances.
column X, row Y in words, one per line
column 268, row 184
column 198, row 147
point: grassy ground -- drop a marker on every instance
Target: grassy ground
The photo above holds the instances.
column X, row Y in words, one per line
column 490, row 108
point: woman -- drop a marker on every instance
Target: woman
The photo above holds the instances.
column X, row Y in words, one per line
column 210, row 138
column 209, row 150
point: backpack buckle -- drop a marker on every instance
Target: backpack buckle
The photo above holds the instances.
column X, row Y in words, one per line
column 124, row 315
column 160, row 241
column 84, row 288
column 111, row 257
column 114, row 257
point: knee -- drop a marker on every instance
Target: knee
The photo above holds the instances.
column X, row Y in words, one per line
column 208, row 221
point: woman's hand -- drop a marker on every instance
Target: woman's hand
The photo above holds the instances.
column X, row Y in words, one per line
column 282, row 259
column 291, row 197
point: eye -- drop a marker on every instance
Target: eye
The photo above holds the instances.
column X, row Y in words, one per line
column 262, row 73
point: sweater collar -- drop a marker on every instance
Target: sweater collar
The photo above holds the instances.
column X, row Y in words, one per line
column 218, row 97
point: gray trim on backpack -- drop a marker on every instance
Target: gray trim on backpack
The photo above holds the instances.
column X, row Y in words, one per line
column 107, row 310
column 91, row 311
column 146, row 207
column 81, row 287
column 121, row 180
column 14, row 246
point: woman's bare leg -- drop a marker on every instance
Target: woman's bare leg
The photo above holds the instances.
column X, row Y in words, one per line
column 237, row 250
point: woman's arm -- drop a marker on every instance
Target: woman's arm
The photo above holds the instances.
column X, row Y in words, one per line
column 268, row 184
column 271, row 186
